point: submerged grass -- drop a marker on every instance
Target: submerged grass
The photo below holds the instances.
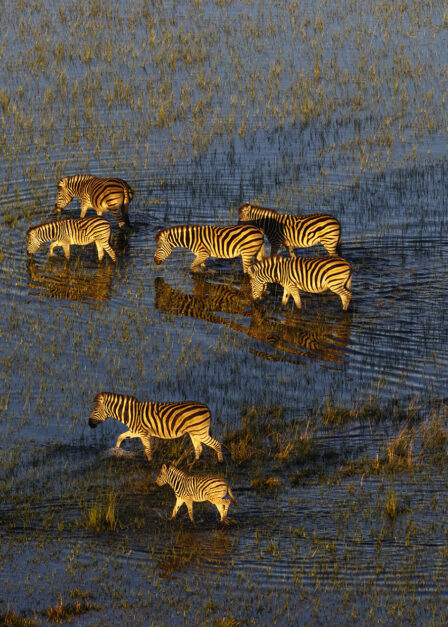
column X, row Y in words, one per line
column 300, row 106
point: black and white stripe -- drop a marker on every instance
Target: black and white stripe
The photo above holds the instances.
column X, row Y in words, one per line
column 308, row 274
column 108, row 194
column 161, row 420
column 225, row 242
column 80, row 231
column 294, row 231
column 189, row 489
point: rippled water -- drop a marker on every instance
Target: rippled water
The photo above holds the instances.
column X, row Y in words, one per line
column 201, row 107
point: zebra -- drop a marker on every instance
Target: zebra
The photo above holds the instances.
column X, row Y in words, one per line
column 294, row 231
column 309, row 274
column 189, row 489
column 102, row 195
column 161, row 420
column 225, row 242
column 81, row 231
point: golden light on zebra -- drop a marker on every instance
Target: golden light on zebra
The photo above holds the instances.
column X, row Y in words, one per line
column 283, row 229
column 190, row 489
column 224, row 242
column 307, row 274
column 100, row 194
column 75, row 231
column 152, row 419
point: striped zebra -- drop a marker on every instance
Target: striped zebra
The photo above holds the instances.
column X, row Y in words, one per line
column 309, row 274
column 225, row 242
column 161, row 420
column 189, row 489
column 99, row 194
column 80, row 231
column 294, row 231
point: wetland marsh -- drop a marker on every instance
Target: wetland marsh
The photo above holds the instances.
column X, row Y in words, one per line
column 334, row 424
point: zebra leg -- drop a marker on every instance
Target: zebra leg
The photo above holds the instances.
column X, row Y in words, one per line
column 286, row 295
column 197, row 446
column 100, row 250
column 84, row 206
column 346, row 297
column 222, row 505
column 247, row 262
column 52, row 247
column 178, row 505
column 215, row 445
column 66, row 248
column 200, row 260
column 110, row 251
column 189, row 504
column 123, row 436
column 294, row 291
column 146, row 441
column 261, row 253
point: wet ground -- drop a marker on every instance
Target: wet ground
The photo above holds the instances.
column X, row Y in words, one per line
column 299, row 108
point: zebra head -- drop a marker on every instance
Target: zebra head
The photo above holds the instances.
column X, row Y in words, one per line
column 99, row 413
column 64, row 195
column 245, row 213
column 162, row 477
column 32, row 240
column 164, row 246
column 257, row 286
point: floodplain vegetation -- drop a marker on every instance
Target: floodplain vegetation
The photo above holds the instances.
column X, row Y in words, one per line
column 334, row 428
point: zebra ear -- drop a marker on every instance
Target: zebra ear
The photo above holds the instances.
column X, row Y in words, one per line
column 163, row 469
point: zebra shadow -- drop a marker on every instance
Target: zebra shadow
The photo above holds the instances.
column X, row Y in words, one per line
column 288, row 337
column 202, row 550
column 61, row 280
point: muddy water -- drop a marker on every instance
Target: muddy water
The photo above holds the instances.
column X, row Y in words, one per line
column 315, row 548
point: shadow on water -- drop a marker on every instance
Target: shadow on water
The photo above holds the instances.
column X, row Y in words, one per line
column 58, row 279
column 322, row 338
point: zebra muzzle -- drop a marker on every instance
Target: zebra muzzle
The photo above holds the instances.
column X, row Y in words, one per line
column 93, row 423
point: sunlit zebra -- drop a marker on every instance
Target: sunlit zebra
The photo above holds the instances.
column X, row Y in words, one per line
column 309, row 274
column 189, row 489
column 294, row 231
column 102, row 195
column 225, row 242
column 80, row 231
column 161, row 420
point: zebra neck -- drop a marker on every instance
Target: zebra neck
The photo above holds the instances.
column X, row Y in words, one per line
column 176, row 476
column 75, row 184
column 121, row 407
column 181, row 235
column 49, row 231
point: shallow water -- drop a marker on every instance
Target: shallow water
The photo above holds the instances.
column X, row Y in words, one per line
column 204, row 106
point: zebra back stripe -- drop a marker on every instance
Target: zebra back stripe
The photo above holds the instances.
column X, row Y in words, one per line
column 80, row 231
column 154, row 419
column 101, row 194
column 294, row 231
column 225, row 242
column 189, row 489
column 313, row 274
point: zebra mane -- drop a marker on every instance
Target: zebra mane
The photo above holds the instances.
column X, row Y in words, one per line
column 48, row 225
column 171, row 468
column 176, row 228
column 109, row 395
column 268, row 212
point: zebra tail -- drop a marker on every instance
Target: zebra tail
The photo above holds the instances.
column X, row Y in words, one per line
column 232, row 498
column 348, row 282
column 128, row 193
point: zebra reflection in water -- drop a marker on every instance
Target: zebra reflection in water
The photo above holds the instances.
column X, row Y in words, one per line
column 66, row 283
column 322, row 338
